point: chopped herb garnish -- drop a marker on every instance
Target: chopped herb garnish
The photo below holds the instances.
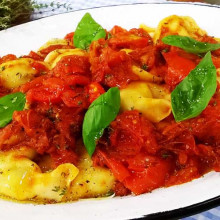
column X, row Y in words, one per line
column 56, row 189
column 144, row 67
column 164, row 156
column 165, row 50
column 63, row 191
column 109, row 35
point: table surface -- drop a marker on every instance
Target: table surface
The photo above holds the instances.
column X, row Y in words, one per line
column 73, row 5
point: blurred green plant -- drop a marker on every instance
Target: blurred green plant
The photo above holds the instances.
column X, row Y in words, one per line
column 13, row 12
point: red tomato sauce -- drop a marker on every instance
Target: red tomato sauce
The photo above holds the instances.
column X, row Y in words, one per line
column 142, row 155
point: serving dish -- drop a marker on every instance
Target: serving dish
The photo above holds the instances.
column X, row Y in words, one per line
column 19, row 40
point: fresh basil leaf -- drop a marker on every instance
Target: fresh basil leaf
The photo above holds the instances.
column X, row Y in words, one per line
column 9, row 104
column 87, row 31
column 99, row 115
column 193, row 94
column 189, row 44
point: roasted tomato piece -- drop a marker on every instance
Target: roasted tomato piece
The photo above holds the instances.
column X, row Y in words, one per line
column 77, row 79
column 7, row 58
column 130, row 133
column 178, row 68
column 72, row 64
column 34, row 56
column 40, row 67
column 35, row 83
column 118, row 169
column 150, row 178
column 94, row 90
column 72, row 98
column 187, row 173
column 63, row 156
column 133, row 39
column 50, row 91
column 112, row 68
column 216, row 61
column 69, row 37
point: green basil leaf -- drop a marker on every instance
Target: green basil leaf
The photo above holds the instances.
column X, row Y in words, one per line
column 193, row 94
column 9, row 104
column 87, row 31
column 99, row 115
column 189, row 44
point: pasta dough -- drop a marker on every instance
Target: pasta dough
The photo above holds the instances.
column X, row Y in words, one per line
column 152, row 100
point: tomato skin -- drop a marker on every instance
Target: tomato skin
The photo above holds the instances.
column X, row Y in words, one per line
column 141, row 161
column 94, row 90
column 28, row 119
column 206, row 127
column 49, row 49
column 34, row 56
column 41, row 68
column 69, row 37
column 43, row 95
column 50, row 91
column 148, row 179
column 139, row 181
column 63, row 156
column 36, row 129
column 109, row 67
column 70, row 65
column 11, row 130
column 131, row 132
column 8, row 57
column 73, row 99
column 126, row 138
column 178, row 68
column 117, row 29
column 216, row 61
column 35, row 83
column 133, row 39
column 118, row 169
column 73, row 80
column 187, row 173
column 128, row 41
column 145, row 56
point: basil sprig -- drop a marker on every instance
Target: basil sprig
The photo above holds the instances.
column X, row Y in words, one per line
column 189, row 44
column 9, row 104
column 193, row 94
column 99, row 115
column 87, row 31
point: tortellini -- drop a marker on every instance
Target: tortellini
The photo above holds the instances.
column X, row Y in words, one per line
column 22, row 179
column 56, row 55
column 149, row 30
column 91, row 181
column 152, row 100
column 52, row 42
column 146, row 76
column 181, row 25
column 17, row 72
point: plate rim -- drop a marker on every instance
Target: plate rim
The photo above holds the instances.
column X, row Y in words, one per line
column 185, row 211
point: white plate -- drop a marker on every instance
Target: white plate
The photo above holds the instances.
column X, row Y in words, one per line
column 21, row 39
